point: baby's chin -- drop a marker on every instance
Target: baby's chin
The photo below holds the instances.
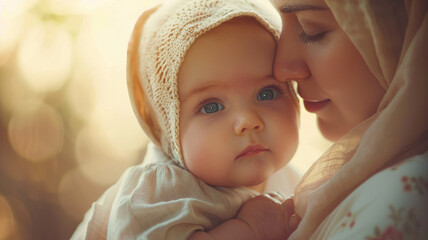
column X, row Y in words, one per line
column 260, row 187
column 257, row 181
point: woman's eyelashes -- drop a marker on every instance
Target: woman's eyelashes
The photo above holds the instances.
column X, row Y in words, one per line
column 305, row 38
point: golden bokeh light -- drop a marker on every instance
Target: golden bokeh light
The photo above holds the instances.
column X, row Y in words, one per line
column 14, row 168
column 75, row 194
column 44, row 179
column 14, row 94
column 11, row 25
column 10, row 30
column 109, row 37
column 7, row 220
column 45, row 56
column 67, row 129
column 124, row 133
column 74, row 6
column 22, row 221
column 16, row 7
column 113, row 112
column 36, row 132
column 80, row 94
column 97, row 158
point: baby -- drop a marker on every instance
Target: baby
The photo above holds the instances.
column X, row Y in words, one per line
column 200, row 78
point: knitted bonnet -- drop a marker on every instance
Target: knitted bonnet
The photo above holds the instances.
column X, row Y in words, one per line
column 158, row 45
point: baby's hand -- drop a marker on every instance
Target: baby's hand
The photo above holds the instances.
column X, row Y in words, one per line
column 268, row 217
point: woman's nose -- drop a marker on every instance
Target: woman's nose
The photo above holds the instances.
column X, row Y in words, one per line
column 289, row 60
column 248, row 121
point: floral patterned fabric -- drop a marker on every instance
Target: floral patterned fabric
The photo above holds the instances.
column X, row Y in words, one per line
column 391, row 205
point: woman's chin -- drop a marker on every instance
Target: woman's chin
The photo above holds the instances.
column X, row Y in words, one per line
column 332, row 131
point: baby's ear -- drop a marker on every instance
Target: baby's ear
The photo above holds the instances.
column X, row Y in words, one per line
column 140, row 103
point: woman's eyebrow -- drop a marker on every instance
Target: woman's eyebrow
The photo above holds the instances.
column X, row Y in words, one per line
column 300, row 7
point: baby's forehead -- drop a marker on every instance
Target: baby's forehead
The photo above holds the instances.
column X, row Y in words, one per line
column 233, row 52
column 241, row 21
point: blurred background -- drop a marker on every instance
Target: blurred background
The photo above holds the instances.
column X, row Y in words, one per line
column 67, row 129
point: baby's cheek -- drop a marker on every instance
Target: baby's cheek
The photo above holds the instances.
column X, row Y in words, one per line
column 189, row 145
column 193, row 155
column 188, row 154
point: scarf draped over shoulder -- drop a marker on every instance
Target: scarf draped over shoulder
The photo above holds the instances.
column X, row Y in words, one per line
column 392, row 37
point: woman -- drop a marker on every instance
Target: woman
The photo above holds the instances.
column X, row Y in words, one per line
column 361, row 67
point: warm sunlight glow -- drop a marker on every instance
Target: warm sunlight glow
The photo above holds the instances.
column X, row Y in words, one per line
column 98, row 159
column 75, row 194
column 75, row 6
column 311, row 143
column 67, row 128
column 36, row 132
column 7, row 221
column 45, row 57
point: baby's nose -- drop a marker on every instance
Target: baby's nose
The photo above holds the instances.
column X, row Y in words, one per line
column 248, row 121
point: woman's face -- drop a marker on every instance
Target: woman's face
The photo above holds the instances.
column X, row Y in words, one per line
column 332, row 77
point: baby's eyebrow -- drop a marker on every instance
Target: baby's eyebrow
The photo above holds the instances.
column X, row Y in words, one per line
column 300, row 7
column 215, row 85
column 197, row 90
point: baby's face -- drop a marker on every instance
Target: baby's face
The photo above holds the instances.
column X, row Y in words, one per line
column 237, row 123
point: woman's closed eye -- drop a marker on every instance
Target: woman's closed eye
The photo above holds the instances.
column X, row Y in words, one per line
column 209, row 107
column 269, row 93
column 306, row 38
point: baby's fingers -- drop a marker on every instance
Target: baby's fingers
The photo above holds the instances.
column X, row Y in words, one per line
column 289, row 205
column 277, row 197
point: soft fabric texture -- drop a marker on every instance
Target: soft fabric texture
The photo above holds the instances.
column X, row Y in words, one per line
column 390, row 205
column 161, row 38
column 159, row 200
column 392, row 37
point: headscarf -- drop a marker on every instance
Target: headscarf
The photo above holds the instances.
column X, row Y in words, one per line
column 392, row 37
column 158, row 45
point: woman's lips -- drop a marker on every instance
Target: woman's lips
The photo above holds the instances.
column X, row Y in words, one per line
column 251, row 150
column 314, row 106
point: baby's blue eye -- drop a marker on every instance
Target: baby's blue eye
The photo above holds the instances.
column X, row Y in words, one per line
column 212, row 107
column 267, row 94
